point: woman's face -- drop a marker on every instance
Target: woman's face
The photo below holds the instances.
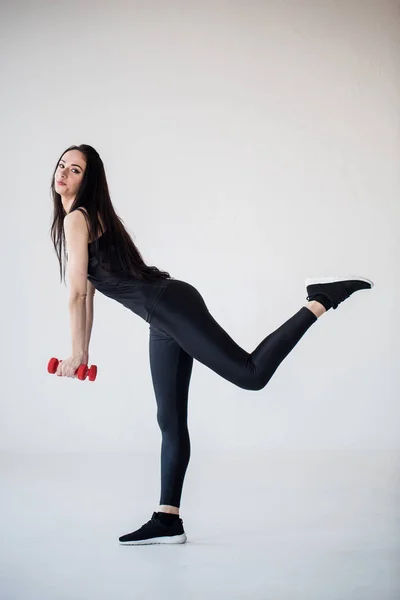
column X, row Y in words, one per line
column 69, row 175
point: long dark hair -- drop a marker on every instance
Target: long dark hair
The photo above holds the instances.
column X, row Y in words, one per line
column 94, row 196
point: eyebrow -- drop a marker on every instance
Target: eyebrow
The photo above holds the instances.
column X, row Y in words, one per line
column 72, row 164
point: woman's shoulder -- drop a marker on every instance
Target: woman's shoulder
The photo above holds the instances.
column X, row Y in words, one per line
column 100, row 231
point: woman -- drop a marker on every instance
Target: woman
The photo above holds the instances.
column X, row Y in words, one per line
column 103, row 257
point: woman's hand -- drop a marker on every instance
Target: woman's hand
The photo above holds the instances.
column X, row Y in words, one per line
column 68, row 366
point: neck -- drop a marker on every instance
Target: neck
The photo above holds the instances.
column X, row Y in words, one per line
column 67, row 203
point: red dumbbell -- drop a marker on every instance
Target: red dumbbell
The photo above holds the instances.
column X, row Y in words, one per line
column 82, row 372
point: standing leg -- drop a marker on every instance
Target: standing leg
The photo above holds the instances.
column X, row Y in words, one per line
column 171, row 369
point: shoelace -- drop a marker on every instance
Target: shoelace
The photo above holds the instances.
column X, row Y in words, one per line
column 153, row 521
column 342, row 294
column 150, row 524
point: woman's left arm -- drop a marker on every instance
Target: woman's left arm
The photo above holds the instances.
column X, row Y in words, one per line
column 76, row 236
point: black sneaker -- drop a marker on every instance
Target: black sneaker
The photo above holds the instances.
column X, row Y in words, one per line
column 336, row 289
column 154, row 532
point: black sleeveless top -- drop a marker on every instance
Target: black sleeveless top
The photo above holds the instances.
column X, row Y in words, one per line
column 137, row 295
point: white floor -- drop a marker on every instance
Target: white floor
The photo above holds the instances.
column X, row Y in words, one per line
column 279, row 526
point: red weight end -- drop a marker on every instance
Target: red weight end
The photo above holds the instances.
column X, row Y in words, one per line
column 92, row 373
column 52, row 366
column 82, row 372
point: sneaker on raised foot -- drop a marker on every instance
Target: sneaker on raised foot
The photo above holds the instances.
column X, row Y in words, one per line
column 336, row 289
column 155, row 532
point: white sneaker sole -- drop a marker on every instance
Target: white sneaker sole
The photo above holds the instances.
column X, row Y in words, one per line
column 173, row 539
column 315, row 280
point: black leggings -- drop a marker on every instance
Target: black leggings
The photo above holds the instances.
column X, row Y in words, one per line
column 181, row 329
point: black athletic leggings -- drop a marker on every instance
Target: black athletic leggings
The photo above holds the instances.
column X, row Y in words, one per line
column 181, row 329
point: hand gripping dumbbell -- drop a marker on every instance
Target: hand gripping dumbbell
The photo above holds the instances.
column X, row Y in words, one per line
column 82, row 372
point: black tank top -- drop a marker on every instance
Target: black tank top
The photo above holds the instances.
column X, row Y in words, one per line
column 138, row 296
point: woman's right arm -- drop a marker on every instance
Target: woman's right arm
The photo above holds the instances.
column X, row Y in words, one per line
column 90, row 291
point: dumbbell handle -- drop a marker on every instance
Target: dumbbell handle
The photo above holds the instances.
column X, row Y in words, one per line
column 84, row 364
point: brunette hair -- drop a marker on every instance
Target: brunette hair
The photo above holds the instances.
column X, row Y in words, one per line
column 94, row 196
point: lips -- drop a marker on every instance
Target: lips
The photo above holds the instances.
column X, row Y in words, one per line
column 61, row 183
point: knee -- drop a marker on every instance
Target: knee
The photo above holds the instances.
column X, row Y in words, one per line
column 256, row 386
column 165, row 421
column 253, row 383
column 171, row 423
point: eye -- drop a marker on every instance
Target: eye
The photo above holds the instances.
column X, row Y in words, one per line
column 61, row 165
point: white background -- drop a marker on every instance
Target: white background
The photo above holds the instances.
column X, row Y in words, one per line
column 247, row 146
